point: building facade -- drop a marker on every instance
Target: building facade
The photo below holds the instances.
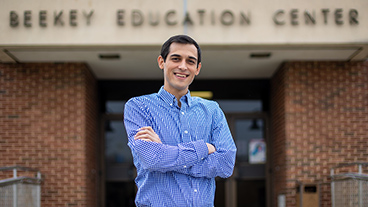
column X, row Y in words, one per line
column 291, row 76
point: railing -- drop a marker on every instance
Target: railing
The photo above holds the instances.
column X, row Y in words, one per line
column 349, row 189
column 20, row 191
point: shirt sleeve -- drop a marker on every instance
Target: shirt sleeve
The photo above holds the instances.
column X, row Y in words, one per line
column 156, row 156
column 220, row 163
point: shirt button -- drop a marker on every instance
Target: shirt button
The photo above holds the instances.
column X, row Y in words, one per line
column 185, row 166
column 195, row 190
column 182, row 112
column 186, row 132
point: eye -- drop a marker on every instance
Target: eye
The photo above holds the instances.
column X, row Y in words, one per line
column 192, row 62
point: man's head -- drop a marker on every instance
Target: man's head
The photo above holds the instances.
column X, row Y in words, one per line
column 182, row 39
column 180, row 62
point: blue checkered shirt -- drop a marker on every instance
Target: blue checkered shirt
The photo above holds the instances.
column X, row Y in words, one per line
column 178, row 172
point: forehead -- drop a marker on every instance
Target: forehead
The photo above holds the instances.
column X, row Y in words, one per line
column 183, row 49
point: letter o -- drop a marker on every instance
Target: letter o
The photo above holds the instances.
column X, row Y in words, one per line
column 227, row 18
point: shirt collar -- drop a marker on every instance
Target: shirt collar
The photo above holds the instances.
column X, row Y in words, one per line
column 170, row 99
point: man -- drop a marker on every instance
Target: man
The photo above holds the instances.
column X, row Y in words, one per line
column 179, row 143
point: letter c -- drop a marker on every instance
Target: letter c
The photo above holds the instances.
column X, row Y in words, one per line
column 276, row 15
column 167, row 20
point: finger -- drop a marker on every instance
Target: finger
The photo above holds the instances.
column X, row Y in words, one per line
column 144, row 139
column 143, row 136
column 147, row 133
column 145, row 128
column 148, row 137
column 141, row 132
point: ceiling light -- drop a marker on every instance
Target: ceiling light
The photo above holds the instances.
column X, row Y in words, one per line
column 260, row 55
column 109, row 56
column 202, row 94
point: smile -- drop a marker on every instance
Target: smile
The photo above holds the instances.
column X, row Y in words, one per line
column 181, row 75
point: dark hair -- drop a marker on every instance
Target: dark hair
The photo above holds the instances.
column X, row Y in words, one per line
column 182, row 39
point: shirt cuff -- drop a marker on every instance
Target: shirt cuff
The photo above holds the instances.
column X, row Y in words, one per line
column 201, row 149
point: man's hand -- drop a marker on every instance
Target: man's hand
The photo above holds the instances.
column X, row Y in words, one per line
column 147, row 134
column 211, row 148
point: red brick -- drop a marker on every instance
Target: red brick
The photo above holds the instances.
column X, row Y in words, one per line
column 319, row 114
column 49, row 115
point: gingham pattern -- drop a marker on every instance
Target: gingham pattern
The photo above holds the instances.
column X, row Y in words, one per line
column 178, row 172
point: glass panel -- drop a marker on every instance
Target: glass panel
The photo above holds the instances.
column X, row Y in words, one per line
column 115, row 107
column 118, row 157
column 246, row 131
column 120, row 194
column 251, row 193
column 116, row 148
column 249, row 138
column 220, row 192
column 231, row 106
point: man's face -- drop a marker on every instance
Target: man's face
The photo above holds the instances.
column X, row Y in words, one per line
column 180, row 68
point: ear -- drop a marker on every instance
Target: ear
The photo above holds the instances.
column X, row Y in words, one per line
column 198, row 68
column 161, row 62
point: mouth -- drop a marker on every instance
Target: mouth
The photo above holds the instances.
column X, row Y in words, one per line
column 180, row 75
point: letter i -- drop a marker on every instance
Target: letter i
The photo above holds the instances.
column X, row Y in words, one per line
column 213, row 17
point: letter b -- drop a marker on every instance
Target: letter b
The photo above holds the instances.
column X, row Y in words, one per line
column 14, row 19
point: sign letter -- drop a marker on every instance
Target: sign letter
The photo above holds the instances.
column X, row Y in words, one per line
column 227, row 18
column 73, row 17
column 309, row 17
column 201, row 13
column 325, row 12
column 27, row 18
column 14, row 19
column 43, row 18
column 244, row 18
column 57, row 18
column 120, row 17
column 152, row 20
column 338, row 16
column 137, row 18
column 167, row 18
column 353, row 15
column 88, row 16
column 294, row 16
column 276, row 20
column 187, row 19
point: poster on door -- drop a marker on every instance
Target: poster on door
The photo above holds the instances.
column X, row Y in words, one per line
column 257, row 151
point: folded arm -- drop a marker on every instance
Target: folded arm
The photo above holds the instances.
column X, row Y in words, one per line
column 196, row 158
column 154, row 155
column 221, row 162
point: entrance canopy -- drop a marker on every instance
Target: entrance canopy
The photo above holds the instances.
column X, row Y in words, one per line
column 240, row 39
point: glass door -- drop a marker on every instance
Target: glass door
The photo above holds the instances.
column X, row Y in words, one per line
column 249, row 135
column 247, row 186
column 119, row 171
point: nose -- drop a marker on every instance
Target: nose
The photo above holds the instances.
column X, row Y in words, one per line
column 183, row 65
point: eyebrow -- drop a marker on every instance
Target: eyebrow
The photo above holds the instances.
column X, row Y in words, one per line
column 190, row 57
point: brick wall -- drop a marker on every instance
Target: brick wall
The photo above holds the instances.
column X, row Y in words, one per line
column 48, row 120
column 319, row 113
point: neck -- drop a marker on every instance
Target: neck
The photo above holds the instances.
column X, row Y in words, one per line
column 178, row 97
column 178, row 94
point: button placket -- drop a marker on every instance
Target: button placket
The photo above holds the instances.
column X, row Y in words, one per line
column 196, row 195
column 184, row 122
